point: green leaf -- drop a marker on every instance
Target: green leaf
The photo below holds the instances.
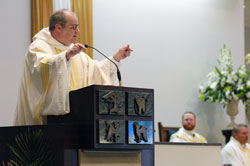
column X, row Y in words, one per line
column 227, row 88
column 31, row 149
column 201, row 97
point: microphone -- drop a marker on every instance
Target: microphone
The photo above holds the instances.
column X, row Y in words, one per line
column 117, row 69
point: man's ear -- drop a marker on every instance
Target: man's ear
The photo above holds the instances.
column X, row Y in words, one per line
column 58, row 27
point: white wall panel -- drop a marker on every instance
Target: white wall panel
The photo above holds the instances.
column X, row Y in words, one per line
column 15, row 32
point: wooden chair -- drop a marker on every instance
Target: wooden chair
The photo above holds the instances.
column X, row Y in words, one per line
column 166, row 132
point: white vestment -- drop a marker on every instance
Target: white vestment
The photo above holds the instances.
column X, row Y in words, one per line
column 183, row 135
column 232, row 153
column 48, row 77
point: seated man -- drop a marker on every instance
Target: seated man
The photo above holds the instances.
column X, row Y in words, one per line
column 187, row 133
column 237, row 150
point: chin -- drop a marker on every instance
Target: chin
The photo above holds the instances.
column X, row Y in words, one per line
column 189, row 128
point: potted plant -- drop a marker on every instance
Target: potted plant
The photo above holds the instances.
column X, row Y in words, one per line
column 226, row 86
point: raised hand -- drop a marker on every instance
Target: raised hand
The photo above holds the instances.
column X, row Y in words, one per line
column 78, row 47
column 123, row 53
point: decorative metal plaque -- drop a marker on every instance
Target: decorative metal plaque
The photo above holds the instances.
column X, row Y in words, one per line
column 111, row 131
column 111, row 102
column 140, row 104
column 140, row 132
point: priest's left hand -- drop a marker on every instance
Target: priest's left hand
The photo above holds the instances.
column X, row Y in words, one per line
column 122, row 53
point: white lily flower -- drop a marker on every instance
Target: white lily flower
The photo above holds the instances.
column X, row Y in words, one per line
column 203, row 88
column 213, row 85
column 225, row 73
column 248, row 83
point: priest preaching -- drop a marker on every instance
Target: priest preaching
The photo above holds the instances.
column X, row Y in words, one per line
column 55, row 65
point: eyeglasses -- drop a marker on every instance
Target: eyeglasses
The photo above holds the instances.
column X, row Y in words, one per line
column 73, row 27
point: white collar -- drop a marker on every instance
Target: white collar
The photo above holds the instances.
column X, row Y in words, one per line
column 189, row 132
column 237, row 142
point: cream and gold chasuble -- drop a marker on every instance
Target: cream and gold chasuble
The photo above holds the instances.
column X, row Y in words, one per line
column 48, row 77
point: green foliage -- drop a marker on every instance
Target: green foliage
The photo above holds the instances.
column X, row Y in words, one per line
column 30, row 149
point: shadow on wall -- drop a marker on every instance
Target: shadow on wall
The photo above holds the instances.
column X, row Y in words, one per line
column 212, row 119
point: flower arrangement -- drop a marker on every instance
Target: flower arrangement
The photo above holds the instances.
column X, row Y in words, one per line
column 224, row 84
